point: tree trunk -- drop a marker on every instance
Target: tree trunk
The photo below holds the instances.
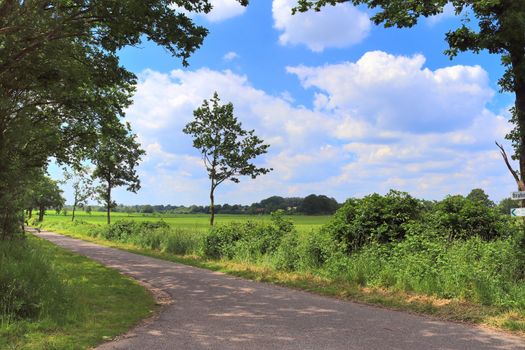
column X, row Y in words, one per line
column 212, row 206
column 108, row 203
column 41, row 212
column 74, row 207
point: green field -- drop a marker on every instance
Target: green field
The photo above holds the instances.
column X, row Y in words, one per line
column 189, row 222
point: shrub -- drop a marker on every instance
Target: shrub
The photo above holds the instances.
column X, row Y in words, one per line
column 457, row 217
column 247, row 240
column 374, row 218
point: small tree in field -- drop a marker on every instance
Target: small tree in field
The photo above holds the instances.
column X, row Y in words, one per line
column 116, row 158
column 82, row 186
column 227, row 149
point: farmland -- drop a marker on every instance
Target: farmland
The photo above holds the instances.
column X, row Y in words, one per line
column 189, row 222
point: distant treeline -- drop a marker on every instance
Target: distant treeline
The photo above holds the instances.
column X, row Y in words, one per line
column 310, row 205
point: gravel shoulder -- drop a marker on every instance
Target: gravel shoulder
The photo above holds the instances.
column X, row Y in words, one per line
column 210, row 310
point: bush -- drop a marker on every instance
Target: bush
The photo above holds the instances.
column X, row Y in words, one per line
column 374, row 218
column 247, row 240
column 457, row 217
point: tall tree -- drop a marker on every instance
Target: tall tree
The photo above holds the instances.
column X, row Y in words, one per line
column 227, row 149
column 497, row 26
column 116, row 157
column 60, row 77
column 83, row 189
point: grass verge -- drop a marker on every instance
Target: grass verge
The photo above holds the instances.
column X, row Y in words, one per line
column 100, row 304
column 500, row 318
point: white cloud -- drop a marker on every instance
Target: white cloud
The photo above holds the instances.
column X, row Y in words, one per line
column 230, row 56
column 224, row 9
column 334, row 27
column 448, row 12
column 221, row 10
column 398, row 93
column 378, row 123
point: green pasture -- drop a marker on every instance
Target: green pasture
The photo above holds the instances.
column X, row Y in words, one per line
column 188, row 222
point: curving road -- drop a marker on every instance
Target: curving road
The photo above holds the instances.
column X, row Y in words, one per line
column 210, row 310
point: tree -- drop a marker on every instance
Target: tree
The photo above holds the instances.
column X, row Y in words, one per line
column 82, row 186
column 60, row 77
column 457, row 217
column 116, row 158
column 479, row 196
column 505, row 205
column 321, row 204
column 45, row 194
column 227, row 149
column 499, row 29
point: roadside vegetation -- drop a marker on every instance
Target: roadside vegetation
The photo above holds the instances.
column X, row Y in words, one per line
column 54, row 299
column 459, row 258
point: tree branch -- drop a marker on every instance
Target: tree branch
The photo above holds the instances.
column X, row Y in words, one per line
column 515, row 174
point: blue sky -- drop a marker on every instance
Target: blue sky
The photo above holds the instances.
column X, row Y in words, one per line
column 349, row 108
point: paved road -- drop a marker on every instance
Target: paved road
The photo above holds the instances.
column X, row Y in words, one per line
column 211, row 310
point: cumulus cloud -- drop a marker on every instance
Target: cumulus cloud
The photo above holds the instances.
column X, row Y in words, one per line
column 398, row 93
column 334, row 27
column 448, row 12
column 224, row 9
column 381, row 122
column 221, row 10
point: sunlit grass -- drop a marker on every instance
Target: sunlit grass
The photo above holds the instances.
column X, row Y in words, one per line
column 101, row 304
column 191, row 222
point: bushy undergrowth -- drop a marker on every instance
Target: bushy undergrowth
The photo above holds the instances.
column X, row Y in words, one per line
column 29, row 287
column 248, row 240
column 150, row 235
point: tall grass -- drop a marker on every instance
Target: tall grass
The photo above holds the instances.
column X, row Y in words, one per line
column 29, row 287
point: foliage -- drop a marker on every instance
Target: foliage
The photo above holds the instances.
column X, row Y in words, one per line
column 116, row 157
column 61, row 81
column 227, row 149
column 44, row 193
column 374, row 218
column 489, row 273
column 457, row 217
column 318, row 205
column 506, row 204
column 247, row 240
column 477, row 195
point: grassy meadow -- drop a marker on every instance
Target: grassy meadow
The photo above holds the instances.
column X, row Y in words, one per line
column 188, row 222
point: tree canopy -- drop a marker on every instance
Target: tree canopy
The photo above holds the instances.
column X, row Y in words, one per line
column 61, row 81
column 116, row 157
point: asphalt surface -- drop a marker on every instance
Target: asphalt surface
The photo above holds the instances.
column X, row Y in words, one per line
column 211, row 310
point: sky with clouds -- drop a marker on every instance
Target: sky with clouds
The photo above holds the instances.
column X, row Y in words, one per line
column 349, row 108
